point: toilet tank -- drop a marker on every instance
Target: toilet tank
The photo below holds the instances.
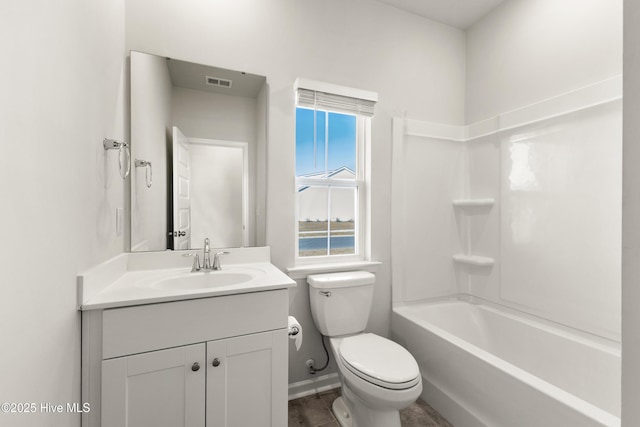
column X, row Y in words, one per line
column 341, row 302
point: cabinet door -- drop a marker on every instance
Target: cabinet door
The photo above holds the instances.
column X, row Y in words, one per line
column 161, row 388
column 247, row 380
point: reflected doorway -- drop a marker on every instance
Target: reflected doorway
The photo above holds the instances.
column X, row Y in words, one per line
column 210, row 192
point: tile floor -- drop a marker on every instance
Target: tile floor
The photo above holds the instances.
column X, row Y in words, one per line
column 315, row 411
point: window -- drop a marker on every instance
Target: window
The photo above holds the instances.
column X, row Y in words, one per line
column 330, row 176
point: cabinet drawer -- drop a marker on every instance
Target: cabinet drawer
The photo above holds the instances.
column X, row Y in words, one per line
column 131, row 330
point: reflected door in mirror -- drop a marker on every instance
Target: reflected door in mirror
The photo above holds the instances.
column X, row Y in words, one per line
column 218, row 192
column 220, row 196
column 181, row 192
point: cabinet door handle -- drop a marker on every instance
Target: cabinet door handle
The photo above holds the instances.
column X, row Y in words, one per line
column 216, row 362
column 195, row 367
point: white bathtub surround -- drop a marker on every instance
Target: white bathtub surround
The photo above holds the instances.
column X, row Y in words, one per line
column 473, row 205
column 484, row 365
column 546, row 247
column 597, row 93
column 560, row 220
column 535, row 191
column 474, row 260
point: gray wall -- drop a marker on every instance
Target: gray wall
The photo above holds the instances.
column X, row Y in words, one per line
column 631, row 219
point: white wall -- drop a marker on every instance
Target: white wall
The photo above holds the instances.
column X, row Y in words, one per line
column 631, row 219
column 529, row 50
column 150, row 139
column 415, row 65
column 63, row 91
column 201, row 114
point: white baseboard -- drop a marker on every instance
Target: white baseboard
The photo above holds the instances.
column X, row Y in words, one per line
column 313, row 386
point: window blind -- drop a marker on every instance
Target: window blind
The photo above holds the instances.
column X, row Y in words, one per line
column 330, row 101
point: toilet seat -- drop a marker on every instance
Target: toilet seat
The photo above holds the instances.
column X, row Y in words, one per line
column 379, row 361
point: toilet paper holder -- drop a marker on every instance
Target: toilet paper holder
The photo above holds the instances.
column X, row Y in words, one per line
column 295, row 331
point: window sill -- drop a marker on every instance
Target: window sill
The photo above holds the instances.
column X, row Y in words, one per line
column 301, row 272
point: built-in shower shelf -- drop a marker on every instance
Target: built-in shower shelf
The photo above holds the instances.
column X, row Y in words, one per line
column 476, row 260
column 473, row 204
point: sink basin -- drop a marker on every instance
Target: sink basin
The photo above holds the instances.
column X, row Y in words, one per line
column 213, row 279
column 159, row 277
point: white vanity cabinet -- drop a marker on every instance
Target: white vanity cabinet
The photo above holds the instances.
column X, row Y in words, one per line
column 214, row 362
column 244, row 380
column 160, row 388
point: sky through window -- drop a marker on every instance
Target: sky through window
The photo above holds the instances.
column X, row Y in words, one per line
column 341, row 150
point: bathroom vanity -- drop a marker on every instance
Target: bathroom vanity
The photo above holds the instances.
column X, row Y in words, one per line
column 170, row 347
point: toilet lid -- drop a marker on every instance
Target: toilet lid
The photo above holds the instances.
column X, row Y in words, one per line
column 379, row 361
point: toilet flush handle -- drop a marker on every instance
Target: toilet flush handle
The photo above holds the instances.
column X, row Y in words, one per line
column 325, row 293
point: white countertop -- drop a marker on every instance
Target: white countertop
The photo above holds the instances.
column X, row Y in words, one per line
column 123, row 281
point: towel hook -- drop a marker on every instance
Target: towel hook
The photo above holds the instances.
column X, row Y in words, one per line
column 112, row 144
column 148, row 170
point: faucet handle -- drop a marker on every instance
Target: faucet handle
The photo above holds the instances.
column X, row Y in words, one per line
column 216, row 259
column 207, row 248
column 196, row 261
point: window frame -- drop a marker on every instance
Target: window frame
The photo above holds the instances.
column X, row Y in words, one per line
column 359, row 184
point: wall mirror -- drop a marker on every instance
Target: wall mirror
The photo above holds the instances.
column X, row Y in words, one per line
column 198, row 155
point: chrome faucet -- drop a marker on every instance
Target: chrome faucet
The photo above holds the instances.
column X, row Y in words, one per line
column 206, row 259
column 196, row 262
column 216, row 260
column 206, row 256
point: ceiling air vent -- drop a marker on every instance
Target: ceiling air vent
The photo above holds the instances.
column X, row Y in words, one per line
column 217, row 81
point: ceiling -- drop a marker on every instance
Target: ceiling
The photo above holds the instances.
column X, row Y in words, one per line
column 457, row 13
column 193, row 76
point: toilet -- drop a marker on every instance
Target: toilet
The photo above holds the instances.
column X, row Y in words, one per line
column 379, row 377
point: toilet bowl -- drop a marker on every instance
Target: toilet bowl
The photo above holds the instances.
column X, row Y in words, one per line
column 379, row 377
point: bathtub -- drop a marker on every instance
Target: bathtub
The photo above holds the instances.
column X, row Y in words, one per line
column 488, row 366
